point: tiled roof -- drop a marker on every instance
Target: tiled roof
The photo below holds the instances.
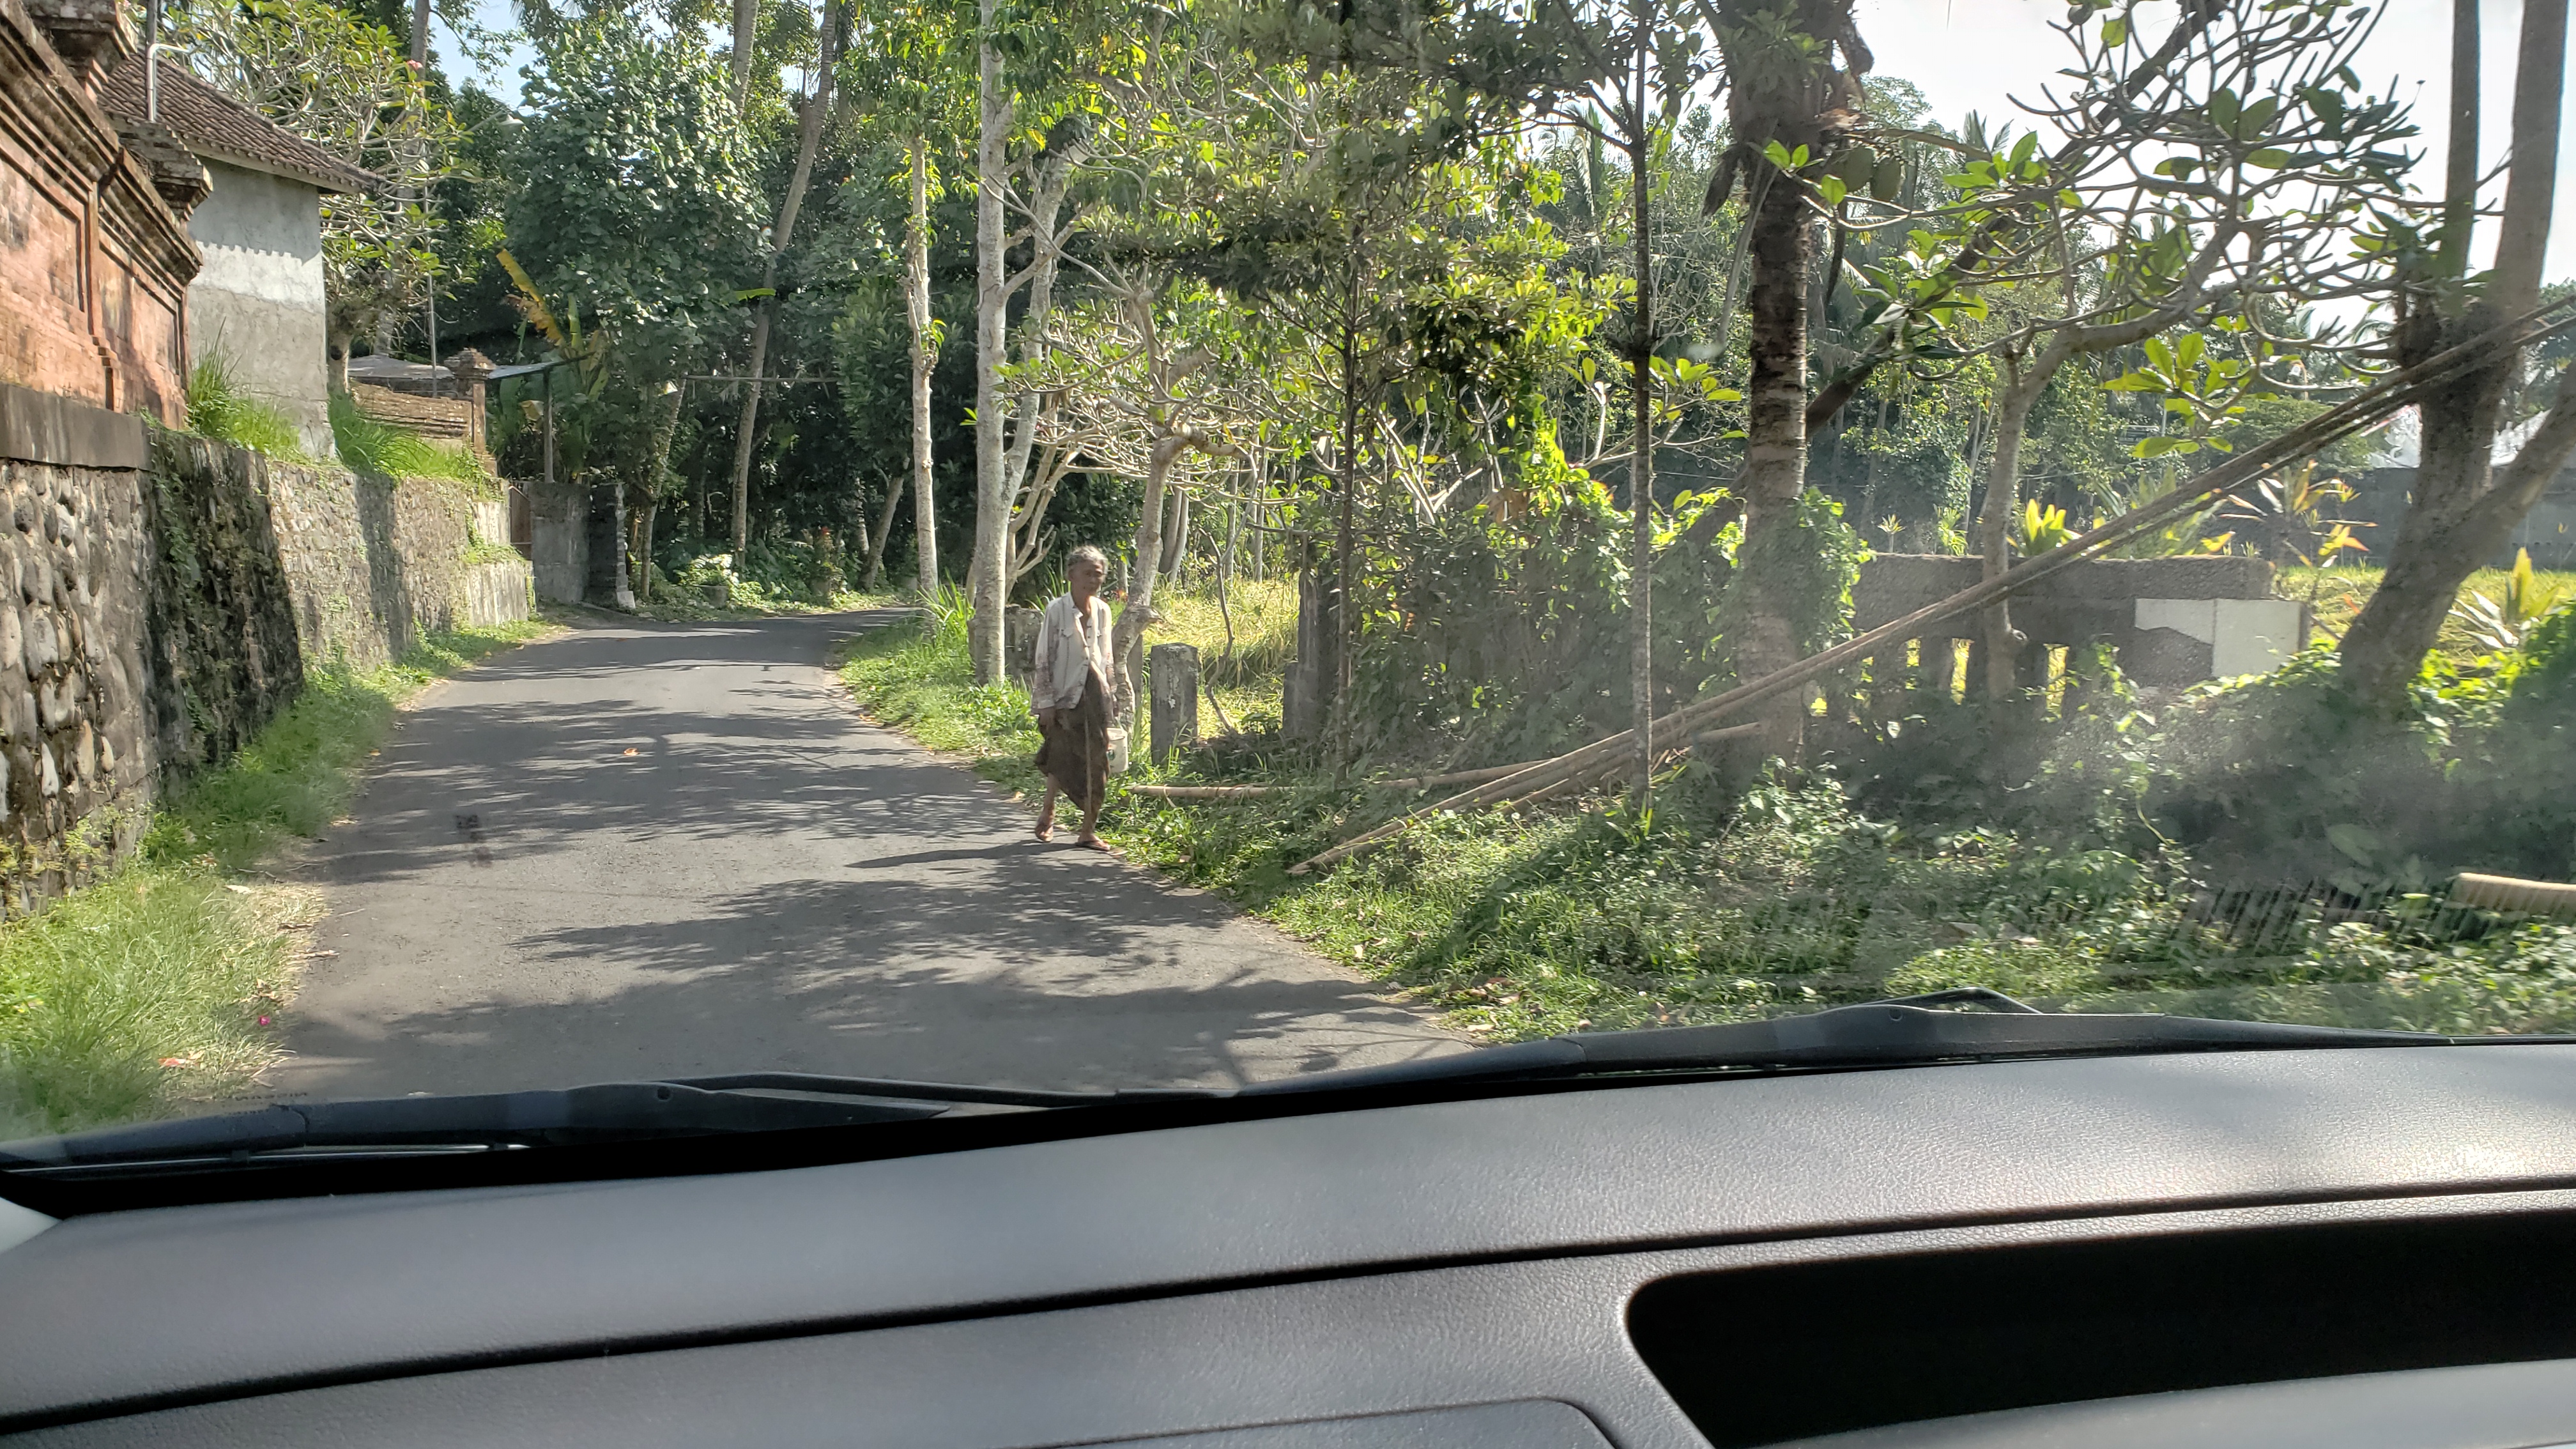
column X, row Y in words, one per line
column 216, row 126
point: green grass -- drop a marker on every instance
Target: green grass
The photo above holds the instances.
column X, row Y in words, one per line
column 1719, row 909
column 219, row 409
column 373, row 447
column 167, row 982
column 2337, row 594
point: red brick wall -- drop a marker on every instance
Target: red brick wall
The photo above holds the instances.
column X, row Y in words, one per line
column 94, row 268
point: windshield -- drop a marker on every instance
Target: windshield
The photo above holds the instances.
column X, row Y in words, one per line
column 812, row 550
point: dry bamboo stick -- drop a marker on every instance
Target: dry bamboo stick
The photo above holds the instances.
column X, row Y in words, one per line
column 1255, row 792
column 2387, row 396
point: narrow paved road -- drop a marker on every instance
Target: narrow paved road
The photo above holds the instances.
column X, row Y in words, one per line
column 646, row 851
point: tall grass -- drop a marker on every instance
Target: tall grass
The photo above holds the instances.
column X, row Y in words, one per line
column 219, row 409
column 135, row 994
column 2337, row 595
column 165, row 983
column 373, row 447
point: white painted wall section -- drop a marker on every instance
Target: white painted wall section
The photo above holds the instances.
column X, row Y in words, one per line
column 2245, row 636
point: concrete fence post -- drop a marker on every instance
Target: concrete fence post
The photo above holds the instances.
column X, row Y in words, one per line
column 1172, row 672
column 1020, row 642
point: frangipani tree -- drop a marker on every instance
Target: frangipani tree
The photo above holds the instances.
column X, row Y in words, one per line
column 2208, row 169
column 345, row 85
column 1150, row 379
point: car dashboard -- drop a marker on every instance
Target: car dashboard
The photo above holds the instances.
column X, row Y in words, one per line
column 2362, row 1247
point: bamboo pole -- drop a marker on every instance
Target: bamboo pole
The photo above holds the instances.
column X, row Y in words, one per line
column 1256, row 792
column 2393, row 392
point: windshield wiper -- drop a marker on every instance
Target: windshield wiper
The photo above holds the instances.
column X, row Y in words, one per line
column 613, row 1112
column 1903, row 1032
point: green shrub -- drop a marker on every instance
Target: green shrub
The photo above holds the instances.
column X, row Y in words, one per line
column 219, row 409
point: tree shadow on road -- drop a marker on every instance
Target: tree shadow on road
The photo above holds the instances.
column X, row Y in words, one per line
column 764, row 883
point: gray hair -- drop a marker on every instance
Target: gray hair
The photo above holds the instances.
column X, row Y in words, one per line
column 1087, row 553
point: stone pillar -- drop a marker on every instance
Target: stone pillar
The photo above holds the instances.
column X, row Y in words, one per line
column 607, row 583
column 472, row 369
column 1172, row 672
column 91, row 37
column 1020, row 642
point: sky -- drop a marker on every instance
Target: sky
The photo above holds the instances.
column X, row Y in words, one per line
column 1975, row 55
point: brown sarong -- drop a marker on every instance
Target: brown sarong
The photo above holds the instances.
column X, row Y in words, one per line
column 1074, row 750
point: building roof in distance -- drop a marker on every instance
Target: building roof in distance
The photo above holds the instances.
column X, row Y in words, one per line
column 376, row 367
column 219, row 128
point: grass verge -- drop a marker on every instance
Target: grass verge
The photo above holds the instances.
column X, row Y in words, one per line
column 1728, row 906
column 165, row 983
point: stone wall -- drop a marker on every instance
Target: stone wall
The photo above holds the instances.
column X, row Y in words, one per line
column 223, row 654
column 153, row 619
column 78, row 675
column 2136, row 606
column 374, row 563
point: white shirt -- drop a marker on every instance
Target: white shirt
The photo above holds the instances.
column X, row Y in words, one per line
column 1069, row 648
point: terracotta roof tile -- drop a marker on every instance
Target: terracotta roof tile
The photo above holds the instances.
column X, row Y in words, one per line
column 213, row 124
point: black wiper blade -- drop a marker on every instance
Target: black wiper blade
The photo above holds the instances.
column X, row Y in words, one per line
column 1909, row 1031
column 940, row 1091
column 612, row 1112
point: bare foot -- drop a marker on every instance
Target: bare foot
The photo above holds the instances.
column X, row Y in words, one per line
column 1046, row 827
column 1092, row 842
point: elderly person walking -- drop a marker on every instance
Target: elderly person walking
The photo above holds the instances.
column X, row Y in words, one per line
column 1069, row 689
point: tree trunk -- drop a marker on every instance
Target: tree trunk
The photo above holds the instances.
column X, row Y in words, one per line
column 1053, row 177
column 2460, row 173
column 1994, row 525
column 746, row 37
column 809, row 134
column 992, row 490
column 1775, row 446
column 1641, row 457
column 1139, row 612
column 2461, row 512
column 745, row 437
column 925, row 356
column 875, row 577
column 1336, row 694
column 646, row 490
column 1176, row 537
column 644, row 550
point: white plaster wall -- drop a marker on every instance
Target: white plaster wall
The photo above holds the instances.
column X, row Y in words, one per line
column 258, row 303
column 2245, row 636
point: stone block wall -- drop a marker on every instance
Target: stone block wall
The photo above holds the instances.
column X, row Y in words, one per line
column 154, row 619
column 223, row 649
column 78, row 754
column 373, row 563
column 2100, row 601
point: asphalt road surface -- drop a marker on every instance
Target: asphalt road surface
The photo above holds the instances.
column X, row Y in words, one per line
column 650, row 851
